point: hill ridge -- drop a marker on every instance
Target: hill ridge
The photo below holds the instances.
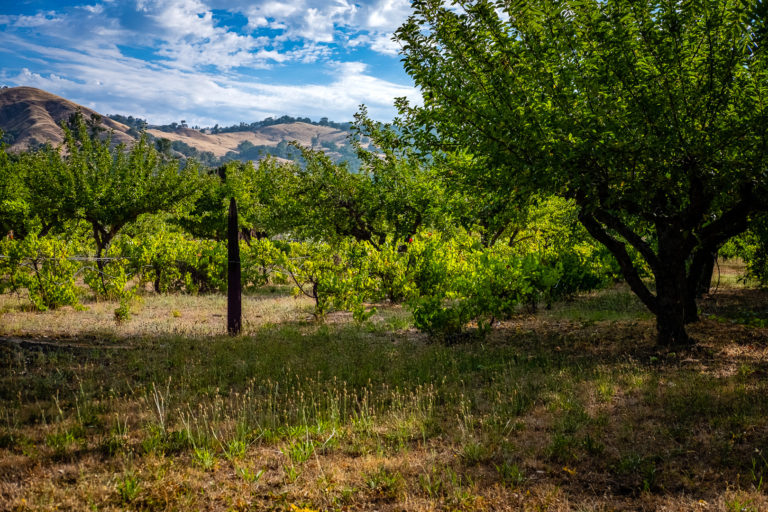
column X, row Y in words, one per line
column 30, row 117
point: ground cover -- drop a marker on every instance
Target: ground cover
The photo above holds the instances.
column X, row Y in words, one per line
column 569, row 409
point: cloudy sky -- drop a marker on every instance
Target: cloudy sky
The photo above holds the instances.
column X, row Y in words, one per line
column 209, row 61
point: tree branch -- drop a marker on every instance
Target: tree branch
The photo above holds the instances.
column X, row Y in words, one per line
column 619, row 250
column 630, row 236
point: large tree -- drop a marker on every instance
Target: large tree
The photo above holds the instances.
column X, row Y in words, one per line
column 650, row 114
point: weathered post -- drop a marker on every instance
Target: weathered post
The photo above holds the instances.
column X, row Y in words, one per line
column 234, row 285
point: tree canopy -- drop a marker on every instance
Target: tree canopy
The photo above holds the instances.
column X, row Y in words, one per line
column 650, row 115
column 105, row 185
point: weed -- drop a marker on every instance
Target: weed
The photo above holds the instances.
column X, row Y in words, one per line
column 562, row 448
column 204, row 458
column 7, row 440
column 758, row 470
column 346, row 494
column 160, row 409
column 384, row 484
column 510, row 474
column 640, row 470
column 234, row 449
column 128, row 487
column 431, row 483
column 154, row 442
column 740, row 505
column 292, row 473
column 117, row 440
column 63, row 439
column 605, row 390
column 299, row 452
column 473, row 452
column 592, row 445
column 249, row 475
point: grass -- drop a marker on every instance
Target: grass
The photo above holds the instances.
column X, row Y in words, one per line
column 574, row 409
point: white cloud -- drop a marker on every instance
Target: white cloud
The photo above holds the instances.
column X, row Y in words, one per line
column 384, row 43
column 166, row 95
column 326, row 21
column 387, row 15
column 41, row 19
column 90, row 68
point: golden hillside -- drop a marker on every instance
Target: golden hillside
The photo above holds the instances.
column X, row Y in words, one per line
column 32, row 116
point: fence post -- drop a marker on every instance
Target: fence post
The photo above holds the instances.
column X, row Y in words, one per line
column 234, row 284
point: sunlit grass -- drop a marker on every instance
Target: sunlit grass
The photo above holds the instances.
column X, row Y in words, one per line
column 337, row 416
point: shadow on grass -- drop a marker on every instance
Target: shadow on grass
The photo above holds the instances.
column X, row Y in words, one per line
column 578, row 398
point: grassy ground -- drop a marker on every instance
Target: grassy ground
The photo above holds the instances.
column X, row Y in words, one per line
column 572, row 409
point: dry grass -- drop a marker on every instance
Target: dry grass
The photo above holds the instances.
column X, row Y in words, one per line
column 572, row 409
column 222, row 143
column 36, row 114
column 155, row 315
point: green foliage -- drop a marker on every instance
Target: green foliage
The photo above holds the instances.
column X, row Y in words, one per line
column 106, row 186
column 128, row 487
column 649, row 116
column 461, row 282
column 42, row 267
column 752, row 247
column 265, row 195
column 334, row 277
column 174, row 262
column 15, row 211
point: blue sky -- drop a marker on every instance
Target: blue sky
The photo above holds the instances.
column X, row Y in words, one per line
column 209, row 61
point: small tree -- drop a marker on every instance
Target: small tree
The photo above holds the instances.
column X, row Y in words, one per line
column 651, row 115
column 106, row 186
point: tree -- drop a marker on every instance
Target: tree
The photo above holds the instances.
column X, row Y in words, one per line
column 651, row 115
column 264, row 193
column 14, row 205
column 107, row 186
column 392, row 195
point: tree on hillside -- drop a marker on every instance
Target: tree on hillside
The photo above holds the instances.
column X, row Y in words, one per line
column 107, row 186
column 651, row 115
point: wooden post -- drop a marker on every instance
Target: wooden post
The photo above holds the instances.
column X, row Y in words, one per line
column 234, row 285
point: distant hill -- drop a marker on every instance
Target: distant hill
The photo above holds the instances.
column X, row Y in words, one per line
column 220, row 144
column 30, row 117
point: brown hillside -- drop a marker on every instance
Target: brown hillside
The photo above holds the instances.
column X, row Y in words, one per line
column 32, row 116
column 220, row 144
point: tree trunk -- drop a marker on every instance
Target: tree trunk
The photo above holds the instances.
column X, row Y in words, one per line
column 671, row 290
column 699, row 280
column 705, row 276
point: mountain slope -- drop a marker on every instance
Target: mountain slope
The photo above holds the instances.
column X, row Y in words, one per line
column 30, row 117
column 221, row 143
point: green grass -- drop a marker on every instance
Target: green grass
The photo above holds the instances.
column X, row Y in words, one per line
column 341, row 417
column 611, row 305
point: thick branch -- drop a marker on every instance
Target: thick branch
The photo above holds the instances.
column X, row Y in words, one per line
column 630, row 236
column 728, row 225
column 619, row 250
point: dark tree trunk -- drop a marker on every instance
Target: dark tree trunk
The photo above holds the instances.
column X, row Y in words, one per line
column 234, row 285
column 699, row 280
column 704, row 281
column 671, row 290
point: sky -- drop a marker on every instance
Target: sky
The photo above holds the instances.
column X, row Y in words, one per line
column 209, row 62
